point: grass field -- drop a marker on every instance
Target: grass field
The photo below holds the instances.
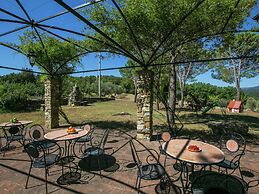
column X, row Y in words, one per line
column 103, row 115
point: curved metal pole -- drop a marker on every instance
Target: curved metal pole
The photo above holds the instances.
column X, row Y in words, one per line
column 15, row 30
column 87, row 52
column 131, row 31
column 90, row 37
column 229, row 17
column 200, row 37
column 62, row 38
column 21, row 52
column 165, row 64
column 61, row 3
column 17, row 69
column 208, row 60
column 44, row 48
column 11, row 14
column 71, row 58
column 23, row 9
column 50, row 17
column 174, row 28
column 13, row 21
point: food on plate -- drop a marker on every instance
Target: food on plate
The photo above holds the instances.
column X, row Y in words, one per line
column 14, row 120
column 71, row 130
column 194, row 148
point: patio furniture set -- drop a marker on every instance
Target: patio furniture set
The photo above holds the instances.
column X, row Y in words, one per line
column 192, row 157
column 44, row 150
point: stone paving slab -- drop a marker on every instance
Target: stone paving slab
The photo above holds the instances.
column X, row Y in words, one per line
column 15, row 166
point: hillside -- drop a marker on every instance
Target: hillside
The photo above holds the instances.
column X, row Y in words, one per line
column 252, row 91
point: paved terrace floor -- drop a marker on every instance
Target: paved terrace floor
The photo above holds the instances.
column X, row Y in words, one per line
column 15, row 166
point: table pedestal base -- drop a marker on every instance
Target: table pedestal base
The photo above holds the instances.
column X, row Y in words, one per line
column 69, row 178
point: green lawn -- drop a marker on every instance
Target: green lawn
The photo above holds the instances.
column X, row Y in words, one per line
column 101, row 114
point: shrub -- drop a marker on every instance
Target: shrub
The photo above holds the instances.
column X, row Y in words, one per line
column 251, row 104
column 13, row 101
column 13, row 97
column 219, row 128
column 223, row 103
column 257, row 105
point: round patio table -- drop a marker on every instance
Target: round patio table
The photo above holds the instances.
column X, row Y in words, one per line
column 8, row 125
column 18, row 123
column 62, row 135
column 207, row 154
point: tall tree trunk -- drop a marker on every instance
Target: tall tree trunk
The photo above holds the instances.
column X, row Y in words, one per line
column 238, row 79
column 172, row 92
column 158, row 89
column 182, row 94
column 236, row 73
column 135, row 80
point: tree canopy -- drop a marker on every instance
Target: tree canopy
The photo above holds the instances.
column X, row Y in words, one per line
column 52, row 55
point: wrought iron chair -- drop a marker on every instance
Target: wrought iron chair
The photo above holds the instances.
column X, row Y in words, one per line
column 233, row 145
column 36, row 134
column 149, row 171
column 40, row 158
column 96, row 151
column 178, row 167
column 12, row 134
column 97, row 147
column 215, row 183
column 82, row 143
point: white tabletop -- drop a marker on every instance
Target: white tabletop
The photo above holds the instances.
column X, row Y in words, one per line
column 18, row 123
column 178, row 149
column 62, row 135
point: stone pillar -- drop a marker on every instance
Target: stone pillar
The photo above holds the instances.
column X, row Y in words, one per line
column 52, row 102
column 145, row 104
column 75, row 97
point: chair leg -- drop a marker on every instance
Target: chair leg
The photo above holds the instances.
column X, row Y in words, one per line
column 139, row 185
column 136, row 184
column 98, row 159
column 28, row 177
column 240, row 172
column 46, row 180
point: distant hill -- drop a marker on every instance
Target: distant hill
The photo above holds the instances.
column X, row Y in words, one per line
column 252, row 91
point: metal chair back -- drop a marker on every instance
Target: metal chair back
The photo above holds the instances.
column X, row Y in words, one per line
column 104, row 138
column 36, row 132
column 32, row 151
column 234, row 145
column 135, row 156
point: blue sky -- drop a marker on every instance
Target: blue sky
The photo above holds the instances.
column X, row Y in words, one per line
column 44, row 8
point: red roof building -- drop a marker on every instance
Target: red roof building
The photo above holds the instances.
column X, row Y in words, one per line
column 235, row 106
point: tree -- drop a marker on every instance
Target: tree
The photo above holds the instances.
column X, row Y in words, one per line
column 131, row 73
column 240, row 45
column 158, row 28
column 53, row 57
column 188, row 71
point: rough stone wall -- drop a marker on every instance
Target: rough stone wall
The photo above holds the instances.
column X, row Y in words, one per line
column 145, row 104
column 52, row 102
column 75, row 97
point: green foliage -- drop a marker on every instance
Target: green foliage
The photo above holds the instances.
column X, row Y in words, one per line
column 152, row 21
column 55, row 56
column 110, row 85
column 257, row 106
column 13, row 97
column 251, row 104
column 252, row 91
column 223, row 103
column 201, row 95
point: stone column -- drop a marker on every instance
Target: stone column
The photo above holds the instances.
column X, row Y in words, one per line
column 52, row 102
column 145, row 104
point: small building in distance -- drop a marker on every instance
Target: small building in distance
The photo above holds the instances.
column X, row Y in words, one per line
column 235, row 106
